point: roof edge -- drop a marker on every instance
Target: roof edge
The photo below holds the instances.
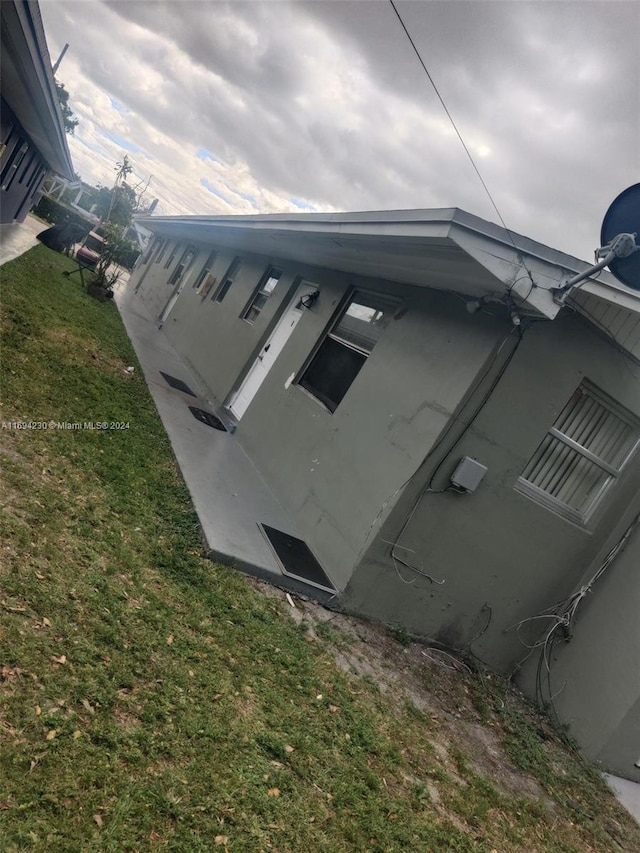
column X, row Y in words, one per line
column 546, row 266
column 26, row 23
column 452, row 215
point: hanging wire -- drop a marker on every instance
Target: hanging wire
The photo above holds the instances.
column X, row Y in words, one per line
column 468, row 153
column 563, row 616
column 464, row 145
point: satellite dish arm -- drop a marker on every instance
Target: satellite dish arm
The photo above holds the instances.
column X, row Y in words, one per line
column 621, row 246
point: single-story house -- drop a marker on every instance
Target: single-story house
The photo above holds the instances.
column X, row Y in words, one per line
column 457, row 448
column 32, row 135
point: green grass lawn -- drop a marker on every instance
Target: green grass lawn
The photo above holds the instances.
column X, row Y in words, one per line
column 153, row 700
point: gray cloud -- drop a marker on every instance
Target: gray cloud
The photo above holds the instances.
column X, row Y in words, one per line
column 327, row 102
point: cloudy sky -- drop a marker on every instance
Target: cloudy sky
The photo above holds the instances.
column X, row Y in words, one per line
column 272, row 106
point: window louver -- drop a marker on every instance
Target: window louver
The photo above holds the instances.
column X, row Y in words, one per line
column 582, row 455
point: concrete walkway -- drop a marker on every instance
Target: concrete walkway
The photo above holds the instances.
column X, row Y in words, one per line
column 18, row 237
column 628, row 793
column 229, row 495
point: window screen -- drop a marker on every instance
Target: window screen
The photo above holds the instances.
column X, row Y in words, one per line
column 582, row 455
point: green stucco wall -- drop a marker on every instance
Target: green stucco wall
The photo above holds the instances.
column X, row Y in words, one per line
column 352, row 481
column 502, row 557
column 596, row 675
column 331, row 472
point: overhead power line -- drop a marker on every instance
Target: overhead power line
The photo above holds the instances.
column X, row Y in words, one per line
column 459, row 135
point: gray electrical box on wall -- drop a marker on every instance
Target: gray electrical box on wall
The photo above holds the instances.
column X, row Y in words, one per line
column 468, row 475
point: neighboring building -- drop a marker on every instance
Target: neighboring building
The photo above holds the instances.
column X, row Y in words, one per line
column 140, row 235
column 364, row 356
column 74, row 194
column 32, row 136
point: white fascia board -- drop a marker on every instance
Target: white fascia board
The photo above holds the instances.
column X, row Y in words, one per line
column 28, row 83
column 415, row 253
column 296, row 220
column 282, row 224
column 516, row 272
column 603, row 284
column 143, row 234
column 516, row 264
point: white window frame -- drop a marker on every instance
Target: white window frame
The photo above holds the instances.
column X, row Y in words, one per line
column 385, row 303
column 261, row 290
column 183, row 266
column 550, row 502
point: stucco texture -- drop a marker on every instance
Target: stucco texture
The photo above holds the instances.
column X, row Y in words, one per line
column 501, row 556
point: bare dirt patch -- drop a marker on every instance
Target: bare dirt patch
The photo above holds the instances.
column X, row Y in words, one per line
column 429, row 679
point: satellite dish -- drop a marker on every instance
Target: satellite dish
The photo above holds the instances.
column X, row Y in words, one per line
column 623, row 217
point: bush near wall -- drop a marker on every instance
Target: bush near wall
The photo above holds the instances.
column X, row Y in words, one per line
column 57, row 213
column 128, row 257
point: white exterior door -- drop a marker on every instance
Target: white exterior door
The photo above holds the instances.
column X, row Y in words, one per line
column 269, row 353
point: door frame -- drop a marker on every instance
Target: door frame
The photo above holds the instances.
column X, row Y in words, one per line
column 298, row 289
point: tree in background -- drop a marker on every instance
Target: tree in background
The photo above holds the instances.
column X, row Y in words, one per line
column 107, row 271
column 69, row 119
column 116, row 205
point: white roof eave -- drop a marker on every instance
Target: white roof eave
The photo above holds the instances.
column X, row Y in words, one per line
column 28, row 84
column 410, row 247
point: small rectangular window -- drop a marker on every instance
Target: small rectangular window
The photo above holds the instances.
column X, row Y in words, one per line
column 228, row 279
column 37, row 174
column 204, row 282
column 14, row 164
column 182, row 266
column 582, row 455
column 172, row 255
column 346, row 347
column 8, row 131
column 264, row 290
column 11, row 144
column 28, row 162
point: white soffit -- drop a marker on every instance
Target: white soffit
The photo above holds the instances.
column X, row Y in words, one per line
column 447, row 249
column 618, row 320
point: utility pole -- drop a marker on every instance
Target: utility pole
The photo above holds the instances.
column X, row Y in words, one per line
column 59, row 59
